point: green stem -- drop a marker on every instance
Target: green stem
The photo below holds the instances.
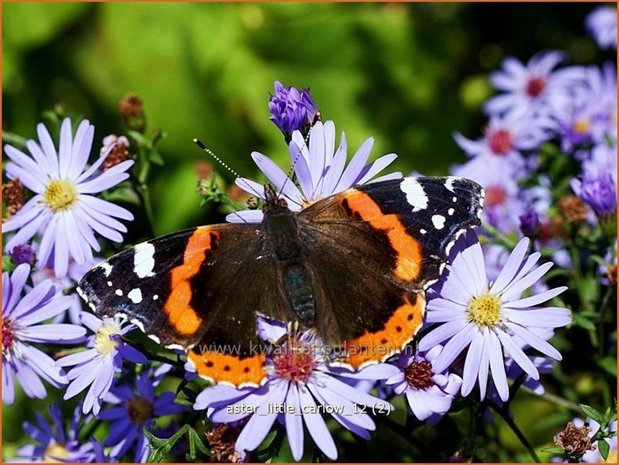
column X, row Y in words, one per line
column 601, row 313
column 568, row 404
column 510, row 422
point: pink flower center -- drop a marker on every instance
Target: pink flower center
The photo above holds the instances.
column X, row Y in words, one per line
column 8, row 334
column 295, row 361
column 495, row 195
column 500, row 141
column 418, row 375
column 535, row 86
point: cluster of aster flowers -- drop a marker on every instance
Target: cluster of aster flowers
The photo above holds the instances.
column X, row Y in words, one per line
column 547, row 160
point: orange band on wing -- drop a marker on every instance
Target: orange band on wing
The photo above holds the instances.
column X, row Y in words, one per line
column 397, row 331
column 181, row 315
column 408, row 250
column 226, row 368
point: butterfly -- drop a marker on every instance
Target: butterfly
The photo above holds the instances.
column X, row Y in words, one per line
column 353, row 267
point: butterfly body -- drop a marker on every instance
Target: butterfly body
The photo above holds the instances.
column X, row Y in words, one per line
column 353, row 267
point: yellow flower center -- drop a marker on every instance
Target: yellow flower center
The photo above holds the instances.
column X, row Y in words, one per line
column 60, row 194
column 485, row 310
column 56, row 453
column 581, row 126
column 103, row 343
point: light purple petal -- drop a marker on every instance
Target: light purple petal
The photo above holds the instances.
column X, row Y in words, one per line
column 511, row 267
column 535, row 299
column 440, row 334
column 515, row 352
column 454, row 347
column 316, row 425
column 497, row 365
column 53, row 333
column 260, row 423
column 472, row 364
column 294, row 424
column 534, row 341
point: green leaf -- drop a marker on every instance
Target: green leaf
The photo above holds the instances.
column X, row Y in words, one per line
column 583, row 322
column 604, row 448
column 609, row 365
column 7, row 264
column 592, row 413
column 195, row 443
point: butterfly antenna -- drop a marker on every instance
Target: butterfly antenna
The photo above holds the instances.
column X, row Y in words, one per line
column 294, row 162
column 200, row 144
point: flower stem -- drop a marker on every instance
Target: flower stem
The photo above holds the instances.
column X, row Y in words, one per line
column 510, row 422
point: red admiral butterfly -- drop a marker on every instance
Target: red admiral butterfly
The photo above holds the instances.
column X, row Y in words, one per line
column 353, row 266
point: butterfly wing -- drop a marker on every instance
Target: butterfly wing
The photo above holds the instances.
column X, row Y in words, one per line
column 381, row 246
column 197, row 289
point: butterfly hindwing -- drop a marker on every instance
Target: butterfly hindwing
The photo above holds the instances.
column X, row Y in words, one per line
column 382, row 245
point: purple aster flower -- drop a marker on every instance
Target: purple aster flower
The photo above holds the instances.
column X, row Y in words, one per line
column 95, row 368
column 603, row 160
column 300, row 387
column 135, row 410
column 292, row 110
column 23, row 253
column 64, row 210
column 21, row 329
column 320, row 169
column 503, row 143
column 429, row 393
column 54, row 441
column 602, row 25
column 487, row 317
column 598, row 191
column 534, row 89
column 529, row 223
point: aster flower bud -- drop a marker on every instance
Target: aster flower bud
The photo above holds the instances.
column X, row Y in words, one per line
column 292, row 109
column 530, row 224
column 132, row 109
column 23, row 253
column 222, row 439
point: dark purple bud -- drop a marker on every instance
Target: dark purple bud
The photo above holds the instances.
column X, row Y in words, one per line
column 599, row 192
column 529, row 223
column 23, row 254
column 292, row 109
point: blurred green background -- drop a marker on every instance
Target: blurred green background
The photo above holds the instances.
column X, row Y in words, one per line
column 409, row 75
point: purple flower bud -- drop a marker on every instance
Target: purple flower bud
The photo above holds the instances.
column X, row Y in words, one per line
column 529, row 223
column 23, row 254
column 598, row 191
column 292, row 109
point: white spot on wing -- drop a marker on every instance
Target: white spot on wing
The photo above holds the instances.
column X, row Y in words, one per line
column 144, row 260
column 109, row 283
column 119, row 292
column 450, row 211
column 106, row 267
column 422, row 231
column 454, row 199
column 415, row 195
column 155, row 296
column 438, row 221
column 135, row 295
column 449, row 184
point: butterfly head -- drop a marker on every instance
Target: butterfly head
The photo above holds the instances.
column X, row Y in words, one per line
column 273, row 204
